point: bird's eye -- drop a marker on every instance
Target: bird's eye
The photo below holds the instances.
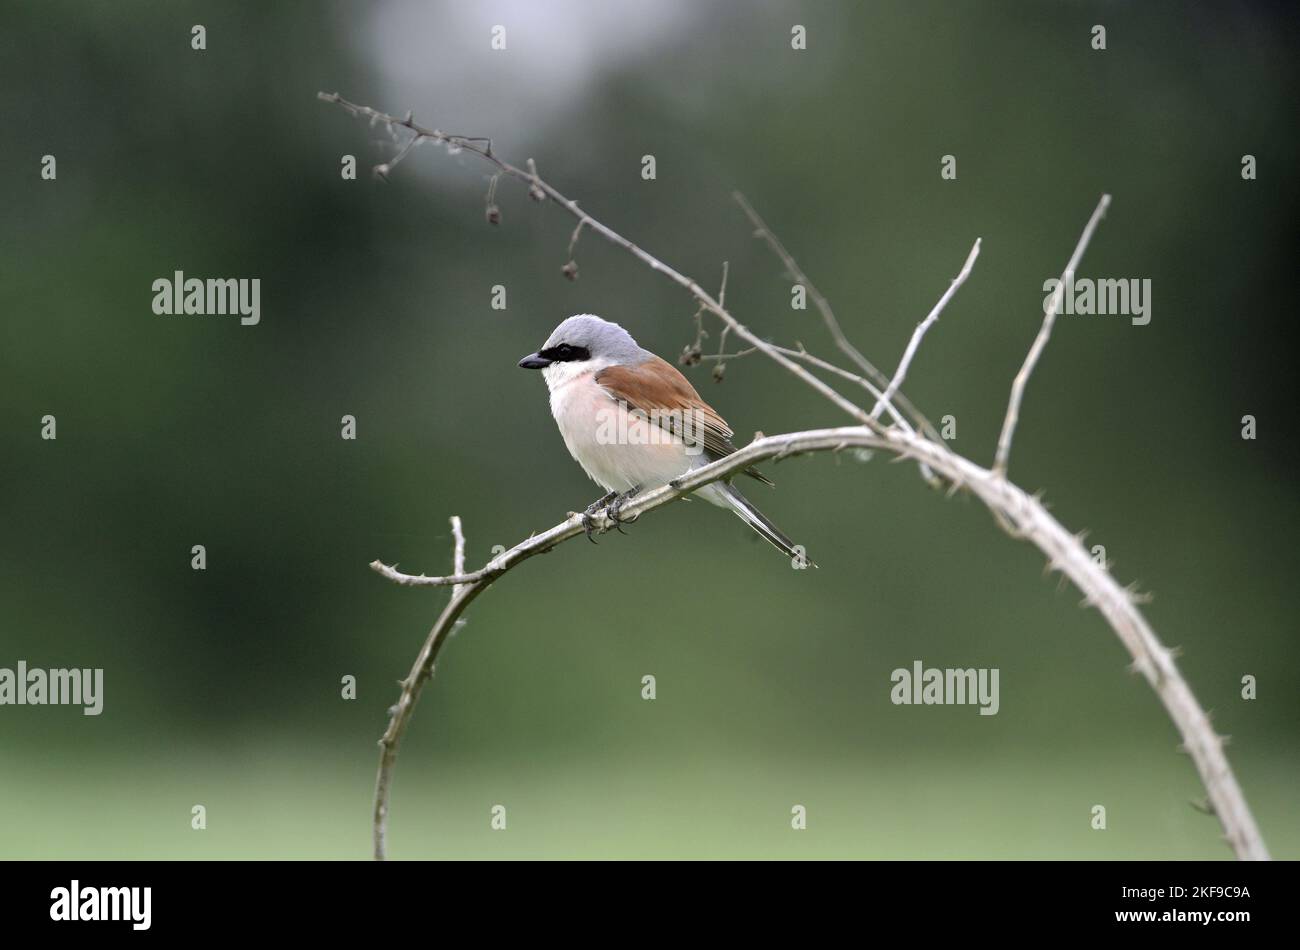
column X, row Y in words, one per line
column 565, row 351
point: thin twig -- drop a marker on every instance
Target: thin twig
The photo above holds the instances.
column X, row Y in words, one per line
column 761, row 230
column 721, row 366
column 823, row 305
column 405, row 706
column 800, row 353
column 458, row 559
column 901, row 373
column 1040, row 341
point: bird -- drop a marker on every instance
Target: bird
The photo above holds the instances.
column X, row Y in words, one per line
column 634, row 422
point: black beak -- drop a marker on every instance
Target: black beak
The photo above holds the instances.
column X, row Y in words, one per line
column 534, row 361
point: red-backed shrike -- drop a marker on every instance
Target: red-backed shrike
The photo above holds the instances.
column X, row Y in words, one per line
column 634, row 422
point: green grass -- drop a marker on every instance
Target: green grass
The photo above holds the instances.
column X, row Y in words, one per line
column 621, row 806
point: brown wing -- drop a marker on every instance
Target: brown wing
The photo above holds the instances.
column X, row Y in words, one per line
column 657, row 389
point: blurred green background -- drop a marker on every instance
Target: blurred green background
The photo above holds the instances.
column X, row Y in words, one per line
column 223, row 687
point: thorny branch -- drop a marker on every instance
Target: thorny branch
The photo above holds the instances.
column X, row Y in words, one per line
column 1023, row 515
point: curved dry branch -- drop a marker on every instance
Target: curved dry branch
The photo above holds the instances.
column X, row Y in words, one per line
column 1022, row 515
column 1030, row 520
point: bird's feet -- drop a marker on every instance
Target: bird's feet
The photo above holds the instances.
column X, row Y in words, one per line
column 612, row 504
column 588, row 521
column 616, row 507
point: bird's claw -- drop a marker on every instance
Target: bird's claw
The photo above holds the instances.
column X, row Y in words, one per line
column 611, row 505
column 588, row 519
column 616, row 507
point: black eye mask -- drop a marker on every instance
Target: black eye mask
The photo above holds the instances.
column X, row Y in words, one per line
column 564, row 353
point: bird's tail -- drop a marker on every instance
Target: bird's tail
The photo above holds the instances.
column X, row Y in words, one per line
column 759, row 522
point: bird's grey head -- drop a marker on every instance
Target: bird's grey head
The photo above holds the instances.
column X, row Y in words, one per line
column 587, row 339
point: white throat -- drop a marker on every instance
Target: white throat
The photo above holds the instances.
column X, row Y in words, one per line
column 559, row 375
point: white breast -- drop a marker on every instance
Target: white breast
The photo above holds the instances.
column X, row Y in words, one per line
column 619, row 450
